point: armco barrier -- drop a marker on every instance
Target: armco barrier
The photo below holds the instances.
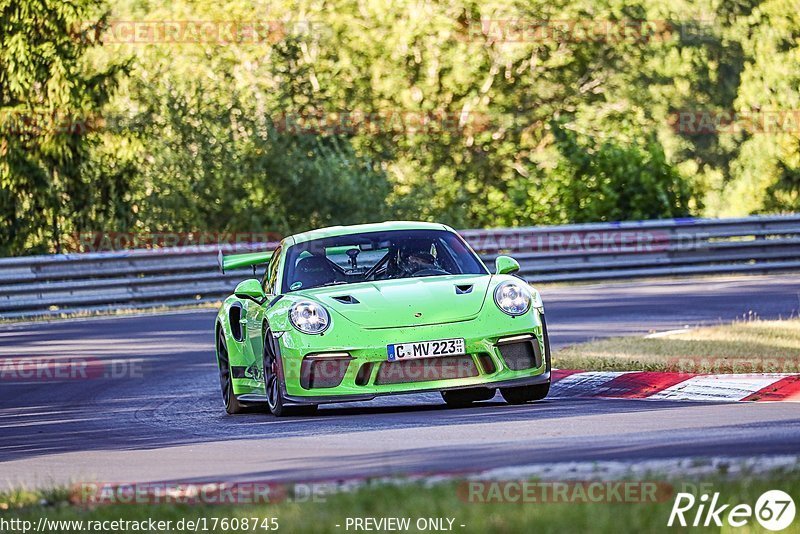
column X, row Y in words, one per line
column 45, row 285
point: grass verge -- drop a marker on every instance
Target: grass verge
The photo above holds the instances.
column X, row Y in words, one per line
column 740, row 347
column 448, row 500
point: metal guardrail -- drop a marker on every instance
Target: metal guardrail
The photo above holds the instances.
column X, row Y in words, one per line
column 47, row 285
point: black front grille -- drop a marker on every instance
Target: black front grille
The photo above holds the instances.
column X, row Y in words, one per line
column 425, row 369
column 322, row 372
column 522, row 354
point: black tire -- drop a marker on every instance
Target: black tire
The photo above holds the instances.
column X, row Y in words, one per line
column 523, row 394
column 232, row 404
column 459, row 398
column 273, row 381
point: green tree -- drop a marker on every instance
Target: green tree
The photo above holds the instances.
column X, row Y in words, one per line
column 609, row 182
column 526, row 124
column 51, row 95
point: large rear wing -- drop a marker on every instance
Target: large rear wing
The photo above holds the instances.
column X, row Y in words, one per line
column 237, row 261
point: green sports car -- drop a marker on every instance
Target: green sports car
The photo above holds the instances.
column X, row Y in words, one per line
column 352, row 312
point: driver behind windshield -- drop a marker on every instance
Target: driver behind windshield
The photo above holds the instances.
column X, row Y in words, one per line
column 375, row 256
column 415, row 257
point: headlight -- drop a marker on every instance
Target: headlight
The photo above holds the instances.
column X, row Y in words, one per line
column 512, row 298
column 309, row 317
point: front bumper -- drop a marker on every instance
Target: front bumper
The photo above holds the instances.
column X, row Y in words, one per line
column 542, row 378
column 357, row 366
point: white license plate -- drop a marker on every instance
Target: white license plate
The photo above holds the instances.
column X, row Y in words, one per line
column 426, row 349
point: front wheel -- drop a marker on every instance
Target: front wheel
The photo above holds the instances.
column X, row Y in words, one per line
column 523, row 394
column 273, row 373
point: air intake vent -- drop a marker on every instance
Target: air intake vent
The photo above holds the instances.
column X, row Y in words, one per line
column 323, row 372
column 521, row 355
column 462, row 290
column 346, row 299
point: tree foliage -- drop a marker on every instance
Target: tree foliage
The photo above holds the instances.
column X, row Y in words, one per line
column 470, row 113
column 49, row 95
column 611, row 182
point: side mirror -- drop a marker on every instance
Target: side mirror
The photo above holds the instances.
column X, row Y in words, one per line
column 249, row 289
column 505, row 265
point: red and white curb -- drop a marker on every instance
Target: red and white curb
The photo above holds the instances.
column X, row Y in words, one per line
column 676, row 386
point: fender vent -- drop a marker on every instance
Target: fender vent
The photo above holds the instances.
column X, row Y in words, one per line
column 234, row 319
column 346, row 299
column 463, row 290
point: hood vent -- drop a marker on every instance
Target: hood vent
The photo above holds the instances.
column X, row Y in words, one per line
column 463, row 289
column 346, row 299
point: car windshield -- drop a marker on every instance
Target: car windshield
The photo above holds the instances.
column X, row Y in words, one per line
column 384, row 255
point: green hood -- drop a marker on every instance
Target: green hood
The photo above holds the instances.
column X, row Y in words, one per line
column 396, row 303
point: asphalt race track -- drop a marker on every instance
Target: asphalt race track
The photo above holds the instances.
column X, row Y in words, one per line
column 166, row 422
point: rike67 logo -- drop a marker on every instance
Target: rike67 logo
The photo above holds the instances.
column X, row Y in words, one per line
column 774, row 510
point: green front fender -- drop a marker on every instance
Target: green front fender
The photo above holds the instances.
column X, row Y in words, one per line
column 245, row 360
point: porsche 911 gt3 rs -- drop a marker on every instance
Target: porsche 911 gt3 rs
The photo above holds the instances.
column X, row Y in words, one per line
column 353, row 312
